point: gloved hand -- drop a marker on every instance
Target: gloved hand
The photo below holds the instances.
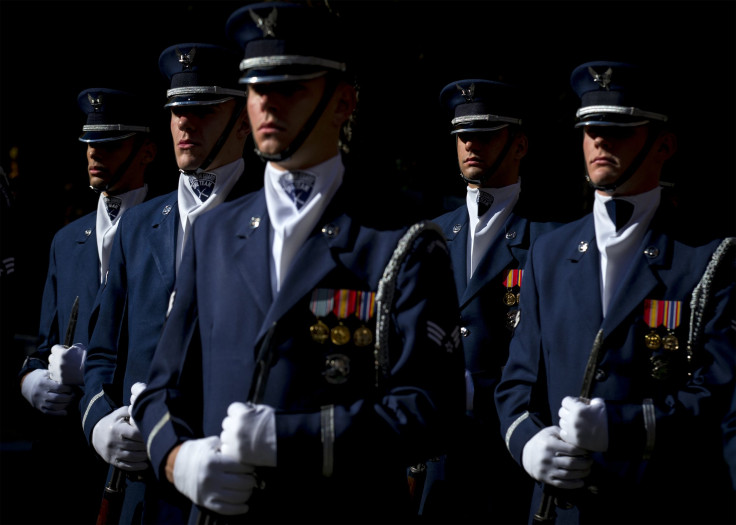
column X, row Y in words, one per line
column 66, row 364
column 249, row 434
column 118, row 442
column 135, row 389
column 550, row 460
column 212, row 479
column 584, row 425
column 45, row 394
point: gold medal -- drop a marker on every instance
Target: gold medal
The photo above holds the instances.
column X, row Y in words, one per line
column 652, row 340
column 509, row 299
column 320, row 332
column 670, row 342
column 340, row 334
column 363, row 336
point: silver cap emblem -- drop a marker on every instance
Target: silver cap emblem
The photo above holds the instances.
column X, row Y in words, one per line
column 467, row 94
column 602, row 79
column 186, row 59
column 95, row 102
column 267, row 25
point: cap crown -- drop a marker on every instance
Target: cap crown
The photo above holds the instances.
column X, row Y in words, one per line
column 112, row 115
column 481, row 105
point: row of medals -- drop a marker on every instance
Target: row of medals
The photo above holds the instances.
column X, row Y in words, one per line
column 340, row 334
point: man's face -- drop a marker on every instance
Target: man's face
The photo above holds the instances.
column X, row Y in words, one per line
column 279, row 110
column 104, row 159
column 610, row 150
column 477, row 152
column 195, row 130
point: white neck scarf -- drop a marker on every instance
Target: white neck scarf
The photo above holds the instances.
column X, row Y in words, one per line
column 295, row 202
column 483, row 229
column 618, row 249
column 198, row 194
column 109, row 211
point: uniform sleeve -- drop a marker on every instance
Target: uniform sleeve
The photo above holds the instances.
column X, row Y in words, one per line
column 107, row 341
column 519, row 409
column 410, row 417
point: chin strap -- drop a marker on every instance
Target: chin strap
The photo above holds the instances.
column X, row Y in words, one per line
column 239, row 105
column 137, row 145
column 330, row 86
column 635, row 164
column 490, row 171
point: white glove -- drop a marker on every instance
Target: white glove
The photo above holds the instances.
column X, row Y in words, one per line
column 249, row 434
column 584, row 425
column 118, row 442
column 45, row 394
column 66, row 364
column 211, row 479
column 135, row 389
column 550, row 460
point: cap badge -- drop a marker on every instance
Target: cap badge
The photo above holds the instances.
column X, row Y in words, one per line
column 95, row 102
column 267, row 24
column 186, row 59
column 466, row 93
column 602, row 79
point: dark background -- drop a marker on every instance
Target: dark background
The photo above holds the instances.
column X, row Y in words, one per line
column 406, row 51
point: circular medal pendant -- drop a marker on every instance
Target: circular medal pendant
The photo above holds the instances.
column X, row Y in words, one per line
column 652, row 340
column 338, row 369
column 340, row 334
column 320, row 332
column 670, row 342
column 363, row 336
column 509, row 299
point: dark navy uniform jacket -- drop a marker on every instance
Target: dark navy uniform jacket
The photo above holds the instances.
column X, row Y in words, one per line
column 132, row 307
column 484, row 480
column 223, row 308
column 74, row 270
column 684, row 479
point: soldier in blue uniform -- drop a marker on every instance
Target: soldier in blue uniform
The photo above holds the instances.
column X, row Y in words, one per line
column 622, row 365
column 488, row 239
column 209, row 128
column 119, row 150
column 299, row 373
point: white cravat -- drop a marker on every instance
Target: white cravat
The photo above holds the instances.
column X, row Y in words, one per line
column 483, row 229
column 107, row 221
column 197, row 195
column 294, row 212
column 618, row 249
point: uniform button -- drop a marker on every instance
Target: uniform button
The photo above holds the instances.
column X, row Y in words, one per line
column 651, row 251
column 511, row 235
column 464, row 331
column 600, row 374
column 457, row 228
column 583, row 247
column 330, row 230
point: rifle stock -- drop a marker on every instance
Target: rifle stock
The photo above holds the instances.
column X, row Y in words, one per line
column 112, row 498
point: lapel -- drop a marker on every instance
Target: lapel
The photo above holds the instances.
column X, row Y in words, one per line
column 252, row 237
column 582, row 276
column 162, row 239
column 502, row 253
column 640, row 279
column 316, row 258
column 456, row 235
column 86, row 241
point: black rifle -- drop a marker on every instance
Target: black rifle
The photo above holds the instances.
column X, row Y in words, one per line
column 69, row 337
column 546, row 511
